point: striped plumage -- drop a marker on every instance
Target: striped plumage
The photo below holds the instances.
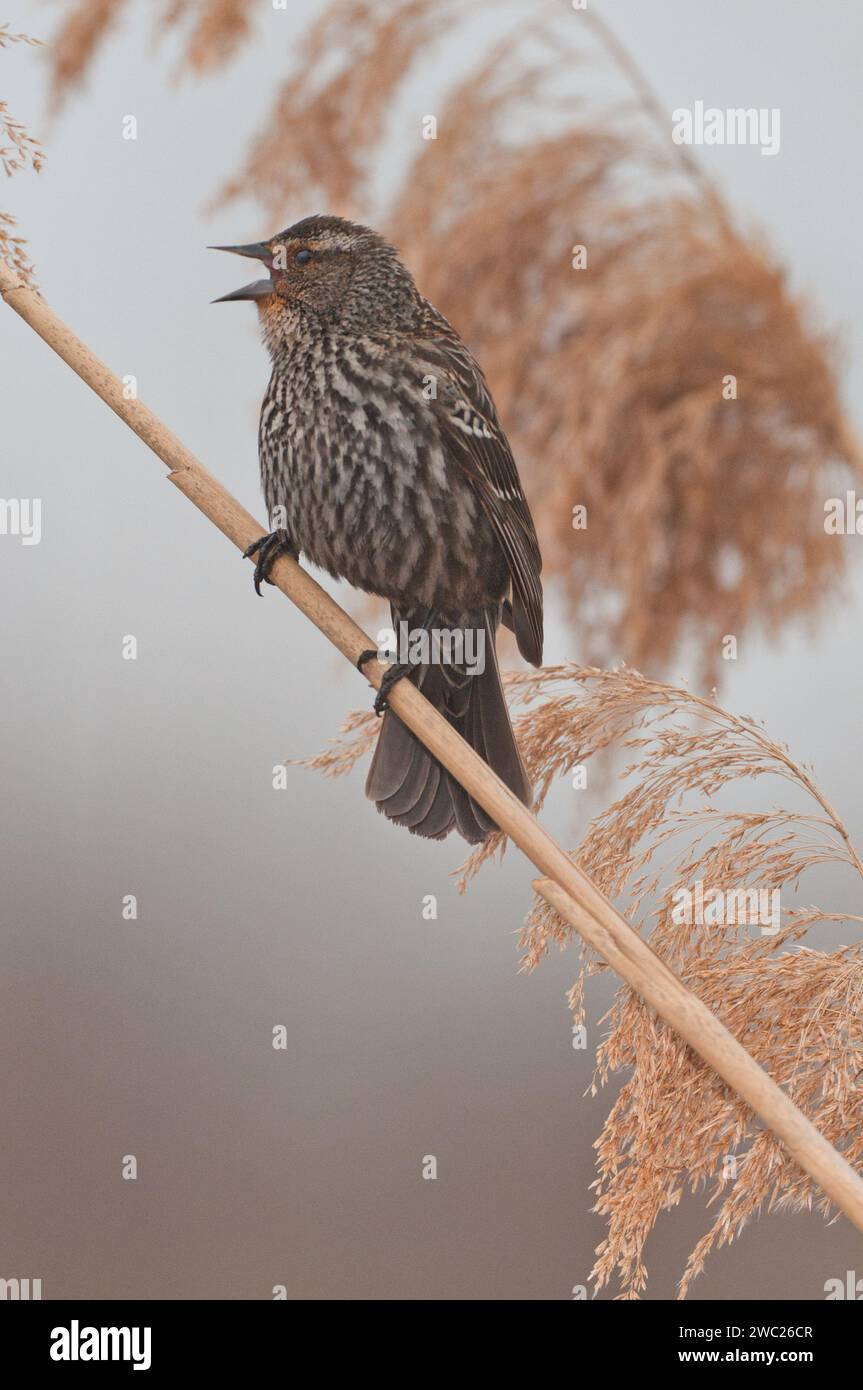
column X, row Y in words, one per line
column 380, row 441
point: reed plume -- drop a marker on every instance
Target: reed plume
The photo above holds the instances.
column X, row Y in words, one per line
column 18, row 150
column 674, row 1126
column 796, row 1008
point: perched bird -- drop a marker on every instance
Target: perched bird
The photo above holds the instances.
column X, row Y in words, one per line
column 384, row 461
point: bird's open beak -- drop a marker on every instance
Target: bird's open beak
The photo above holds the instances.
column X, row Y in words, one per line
column 258, row 289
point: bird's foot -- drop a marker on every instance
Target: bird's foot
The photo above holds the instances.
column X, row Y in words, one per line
column 392, row 675
column 268, row 549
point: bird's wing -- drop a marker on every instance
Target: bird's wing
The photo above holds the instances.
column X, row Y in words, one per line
column 476, row 442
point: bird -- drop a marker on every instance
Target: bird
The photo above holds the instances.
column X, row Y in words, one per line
column 384, row 463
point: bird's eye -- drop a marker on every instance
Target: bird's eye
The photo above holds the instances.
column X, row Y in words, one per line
column 303, row 257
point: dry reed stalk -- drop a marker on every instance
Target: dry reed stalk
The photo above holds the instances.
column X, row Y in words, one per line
column 600, row 923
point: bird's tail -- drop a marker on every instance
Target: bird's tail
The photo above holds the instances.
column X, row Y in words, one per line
column 411, row 787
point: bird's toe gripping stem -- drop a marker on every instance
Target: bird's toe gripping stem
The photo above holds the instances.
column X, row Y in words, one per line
column 392, row 675
column 268, row 549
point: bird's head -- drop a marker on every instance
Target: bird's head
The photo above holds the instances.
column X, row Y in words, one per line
column 330, row 270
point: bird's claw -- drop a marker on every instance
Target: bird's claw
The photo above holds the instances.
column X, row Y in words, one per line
column 392, row 675
column 268, row 549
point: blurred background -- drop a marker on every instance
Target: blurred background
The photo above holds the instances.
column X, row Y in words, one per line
column 256, row 908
